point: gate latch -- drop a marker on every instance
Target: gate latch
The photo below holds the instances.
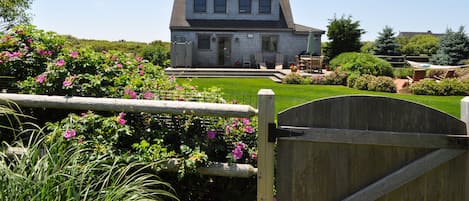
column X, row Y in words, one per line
column 275, row 132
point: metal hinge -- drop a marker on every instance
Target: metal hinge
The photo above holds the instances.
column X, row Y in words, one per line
column 275, row 132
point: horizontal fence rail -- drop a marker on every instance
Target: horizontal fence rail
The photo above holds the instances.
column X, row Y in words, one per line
column 129, row 105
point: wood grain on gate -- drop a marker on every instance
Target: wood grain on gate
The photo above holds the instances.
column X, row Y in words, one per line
column 320, row 170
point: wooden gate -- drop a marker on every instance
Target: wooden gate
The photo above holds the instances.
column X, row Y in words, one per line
column 370, row 148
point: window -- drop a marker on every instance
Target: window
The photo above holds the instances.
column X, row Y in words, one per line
column 203, row 41
column 269, row 43
column 244, row 6
column 265, row 6
column 220, row 6
column 200, row 6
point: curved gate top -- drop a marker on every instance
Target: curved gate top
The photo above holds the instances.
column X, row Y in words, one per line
column 371, row 148
column 371, row 113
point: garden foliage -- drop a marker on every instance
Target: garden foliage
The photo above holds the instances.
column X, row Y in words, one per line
column 43, row 63
column 423, row 44
column 386, row 43
column 454, row 48
column 362, row 63
column 344, row 35
column 446, row 87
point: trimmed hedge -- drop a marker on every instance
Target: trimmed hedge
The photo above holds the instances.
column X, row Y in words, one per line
column 446, row 87
column 373, row 83
column 362, row 63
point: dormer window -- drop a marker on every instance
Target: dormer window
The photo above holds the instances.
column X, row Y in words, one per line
column 220, row 6
column 200, row 6
column 265, row 6
column 245, row 6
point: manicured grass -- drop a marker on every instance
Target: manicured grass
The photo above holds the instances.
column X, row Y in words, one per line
column 244, row 90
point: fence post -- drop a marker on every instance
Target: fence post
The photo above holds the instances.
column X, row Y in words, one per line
column 265, row 157
column 465, row 112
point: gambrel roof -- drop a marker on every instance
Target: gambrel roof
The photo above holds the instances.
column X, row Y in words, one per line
column 286, row 23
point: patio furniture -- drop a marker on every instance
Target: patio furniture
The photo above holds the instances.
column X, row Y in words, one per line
column 246, row 61
column 419, row 74
column 279, row 61
column 260, row 60
column 448, row 74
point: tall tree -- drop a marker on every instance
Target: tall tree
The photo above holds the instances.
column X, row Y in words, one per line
column 386, row 43
column 422, row 44
column 13, row 12
column 454, row 48
column 344, row 35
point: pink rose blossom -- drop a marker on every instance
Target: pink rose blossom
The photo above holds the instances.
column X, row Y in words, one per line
column 228, row 130
column 131, row 93
column 74, row 54
column 148, row 95
column 254, row 156
column 139, row 59
column 140, row 66
column 237, row 153
column 179, row 88
column 69, row 134
column 41, row 78
column 69, row 81
column 29, row 40
column 211, row 134
column 104, row 52
column 172, row 78
column 141, row 72
column 119, row 65
column 249, row 129
column 60, row 63
column 246, row 121
column 120, row 119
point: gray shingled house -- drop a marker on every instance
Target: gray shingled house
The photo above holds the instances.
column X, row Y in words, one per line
column 237, row 33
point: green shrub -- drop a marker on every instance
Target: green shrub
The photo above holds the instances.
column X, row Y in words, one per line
column 61, row 169
column 338, row 77
column 361, row 82
column 453, row 87
column 362, row 63
column 352, row 79
column 402, row 73
column 293, row 78
column 382, row 84
column 446, row 87
column 316, row 80
column 25, row 51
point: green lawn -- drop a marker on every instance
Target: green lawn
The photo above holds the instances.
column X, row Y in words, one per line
column 244, row 90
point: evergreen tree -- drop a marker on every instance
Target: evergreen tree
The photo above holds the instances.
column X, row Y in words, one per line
column 454, row 48
column 13, row 12
column 386, row 43
column 344, row 35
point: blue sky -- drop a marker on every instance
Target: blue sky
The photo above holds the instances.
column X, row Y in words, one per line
column 148, row 20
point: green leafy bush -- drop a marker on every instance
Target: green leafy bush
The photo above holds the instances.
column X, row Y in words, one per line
column 293, row 78
column 361, row 82
column 352, row 79
column 373, row 83
column 403, row 72
column 382, row 84
column 338, row 77
column 362, row 63
column 446, row 87
column 25, row 51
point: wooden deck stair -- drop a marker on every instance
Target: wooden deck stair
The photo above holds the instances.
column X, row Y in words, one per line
column 275, row 75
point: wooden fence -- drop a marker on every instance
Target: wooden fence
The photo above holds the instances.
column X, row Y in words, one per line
column 372, row 148
column 338, row 159
column 400, row 61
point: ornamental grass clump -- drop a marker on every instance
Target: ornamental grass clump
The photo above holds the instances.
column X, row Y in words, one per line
column 60, row 170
